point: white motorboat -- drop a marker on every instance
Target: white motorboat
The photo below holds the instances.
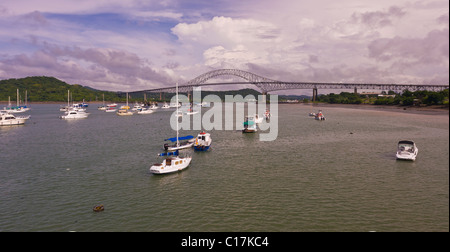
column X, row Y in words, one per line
column 7, row 119
column 144, row 111
column 165, row 106
column 406, row 150
column 75, row 114
column 171, row 164
column 249, row 125
column 154, row 106
column 203, row 141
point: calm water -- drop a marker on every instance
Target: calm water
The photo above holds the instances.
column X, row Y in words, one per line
column 336, row 175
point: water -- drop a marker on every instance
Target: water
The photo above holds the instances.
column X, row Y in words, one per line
column 335, row 175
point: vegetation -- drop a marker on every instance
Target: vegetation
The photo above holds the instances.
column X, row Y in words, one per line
column 50, row 89
column 42, row 89
column 406, row 98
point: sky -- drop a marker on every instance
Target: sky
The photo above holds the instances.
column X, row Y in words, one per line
column 131, row 45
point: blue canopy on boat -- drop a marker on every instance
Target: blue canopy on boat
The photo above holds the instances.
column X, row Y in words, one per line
column 174, row 153
column 174, row 139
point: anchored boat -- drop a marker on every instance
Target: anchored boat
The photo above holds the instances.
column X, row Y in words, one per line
column 203, row 141
column 406, row 150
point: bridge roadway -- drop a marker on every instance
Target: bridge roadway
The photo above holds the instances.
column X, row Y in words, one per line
column 267, row 85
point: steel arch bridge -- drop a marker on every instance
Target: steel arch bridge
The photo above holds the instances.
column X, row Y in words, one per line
column 268, row 85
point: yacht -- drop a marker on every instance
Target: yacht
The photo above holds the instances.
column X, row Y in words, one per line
column 171, row 164
column 7, row 119
column 74, row 114
column 406, row 150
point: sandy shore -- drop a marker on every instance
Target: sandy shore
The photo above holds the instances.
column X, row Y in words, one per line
column 429, row 110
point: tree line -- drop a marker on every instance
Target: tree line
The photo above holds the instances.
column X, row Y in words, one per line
column 405, row 98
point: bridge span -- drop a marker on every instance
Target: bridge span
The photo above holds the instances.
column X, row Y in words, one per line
column 266, row 85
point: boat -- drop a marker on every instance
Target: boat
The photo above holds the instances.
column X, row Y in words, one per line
column 249, row 125
column 103, row 106
column 154, row 106
column 191, row 111
column 406, row 150
column 144, row 111
column 202, row 142
column 75, row 114
column 124, row 112
column 267, row 114
column 165, row 106
column 258, row 119
column 319, row 116
column 137, row 107
column 188, row 141
column 7, row 119
column 98, row 208
column 171, row 164
column 18, row 108
column 312, row 114
column 179, row 143
column 110, row 109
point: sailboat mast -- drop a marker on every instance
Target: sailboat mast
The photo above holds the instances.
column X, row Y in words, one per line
column 178, row 143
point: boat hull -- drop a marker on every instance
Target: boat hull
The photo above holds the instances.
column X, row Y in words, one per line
column 201, row 147
column 16, row 121
column 176, row 165
column 407, row 156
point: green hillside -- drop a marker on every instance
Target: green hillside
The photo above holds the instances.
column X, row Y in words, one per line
column 46, row 89
column 42, row 89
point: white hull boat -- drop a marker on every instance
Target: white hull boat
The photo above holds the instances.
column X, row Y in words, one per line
column 75, row 114
column 406, row 150
column 144, row 111
column 171, row 164
column 124, row 112
column 7, row 119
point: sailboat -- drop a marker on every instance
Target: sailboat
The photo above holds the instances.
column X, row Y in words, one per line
column 175, row 163
column 189, row 140
column 18, row 108
column 124, row 110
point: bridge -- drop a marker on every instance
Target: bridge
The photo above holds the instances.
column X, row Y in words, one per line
column 267, row 85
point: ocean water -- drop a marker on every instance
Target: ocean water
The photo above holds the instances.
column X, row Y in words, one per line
column 335, row 175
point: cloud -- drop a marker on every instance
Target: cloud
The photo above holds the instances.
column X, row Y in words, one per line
column 98, row 67
column 131, row 45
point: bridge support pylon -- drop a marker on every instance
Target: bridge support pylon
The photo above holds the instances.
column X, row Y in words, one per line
column 314, row 96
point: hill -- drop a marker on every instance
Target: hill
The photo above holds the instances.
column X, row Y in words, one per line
column 50, row 89
column 42, row 89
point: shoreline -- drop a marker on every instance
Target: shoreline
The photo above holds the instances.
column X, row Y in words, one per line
column 428, row 110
